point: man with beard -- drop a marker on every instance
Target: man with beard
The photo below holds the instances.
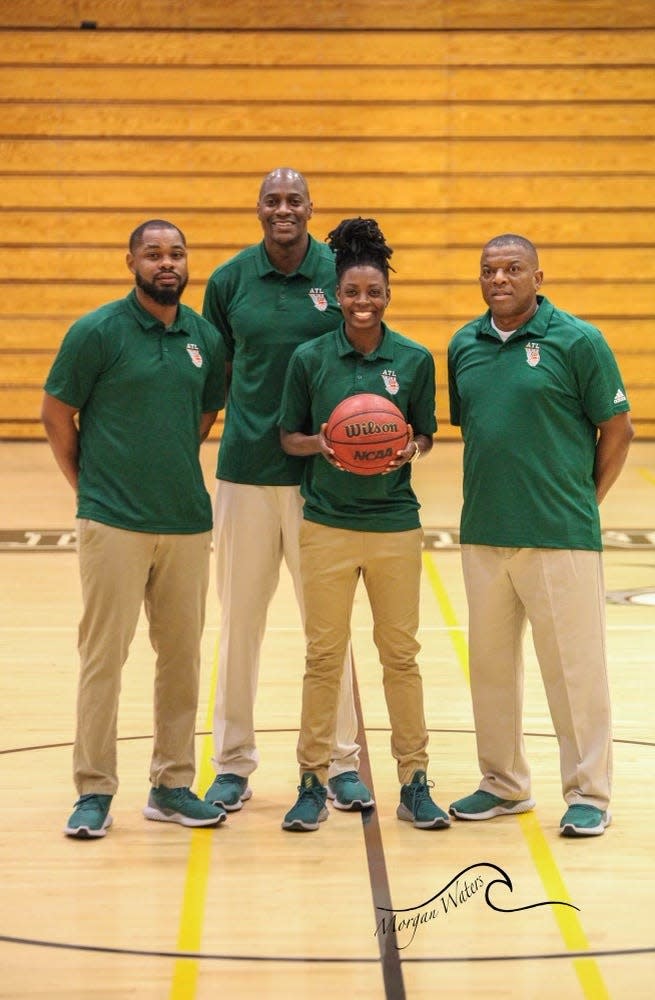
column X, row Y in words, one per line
column 134, row 389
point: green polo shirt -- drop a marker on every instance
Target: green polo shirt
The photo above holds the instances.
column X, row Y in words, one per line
column 323, row 372
column 529, row 410
column 263, row 316
column 141, row 389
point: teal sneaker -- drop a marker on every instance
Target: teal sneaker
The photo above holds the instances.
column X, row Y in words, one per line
column 90, row 818
column 417, row 807
column 310, row 809
column 484, row 805
column 229, row 791
column 348, row 792
column 580, row 820
column 181, row 805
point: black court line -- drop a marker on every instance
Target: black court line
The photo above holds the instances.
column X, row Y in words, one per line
column 325, row 960
column 392, row 973
column 617, row 741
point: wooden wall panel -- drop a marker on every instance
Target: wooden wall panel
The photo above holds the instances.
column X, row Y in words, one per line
column 226, row 226
column 407, row 156
column 217, row 119
column 265, row 47
column 171, row 190
column 329, row 14
column 447, row 131
column 332, row 83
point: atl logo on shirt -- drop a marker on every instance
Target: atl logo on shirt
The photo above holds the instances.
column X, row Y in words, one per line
column 532, row 354
column 194, row 353
column 319, row 298
column 390, row 380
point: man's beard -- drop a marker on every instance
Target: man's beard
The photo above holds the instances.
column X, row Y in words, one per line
column 166, row 296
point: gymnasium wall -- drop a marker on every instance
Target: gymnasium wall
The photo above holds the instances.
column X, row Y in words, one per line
column 449, row 122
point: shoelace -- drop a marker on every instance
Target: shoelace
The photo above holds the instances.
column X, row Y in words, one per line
column 91, row 799
column 181, row 794
column 311, row 793
column 420, row 792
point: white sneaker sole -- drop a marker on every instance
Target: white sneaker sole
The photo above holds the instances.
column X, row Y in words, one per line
column 86, row 833
column 571, row 830
column 150, row 812
column 356, row 806
column 298, row 826
column 520, row 807
column 438, row 823
column 232, row 806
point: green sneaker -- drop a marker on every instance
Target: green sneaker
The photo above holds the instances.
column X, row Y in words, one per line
column 229, row 791
column 484, row 805
column 580, row 820
column 310, row 809
column 90, row 818
column 181, row 805
column 348, row 792
column 417, row 807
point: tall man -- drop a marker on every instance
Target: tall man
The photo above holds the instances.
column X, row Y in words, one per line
column 134, row 389
column 265, row 301
column 546, row 430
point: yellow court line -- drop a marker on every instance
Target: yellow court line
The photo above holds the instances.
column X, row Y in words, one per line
column 192, row 916
column 647, row 474
column 448, row 614
column 567, row 919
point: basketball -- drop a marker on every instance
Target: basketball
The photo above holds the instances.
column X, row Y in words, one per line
column 365, row 431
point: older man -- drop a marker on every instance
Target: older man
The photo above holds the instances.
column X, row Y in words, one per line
column 546, row 430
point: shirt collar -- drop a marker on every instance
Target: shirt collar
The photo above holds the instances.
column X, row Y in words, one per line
column 147, row 321
column 307, row 267
column 383, row 350
column 536, row 326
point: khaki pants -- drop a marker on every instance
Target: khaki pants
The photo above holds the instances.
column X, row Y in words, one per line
column 561, row 592
column 120, row 571
column 254, row 528
column 332, row 560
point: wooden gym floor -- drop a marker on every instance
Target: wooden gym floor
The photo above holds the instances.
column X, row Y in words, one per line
column 157, row 912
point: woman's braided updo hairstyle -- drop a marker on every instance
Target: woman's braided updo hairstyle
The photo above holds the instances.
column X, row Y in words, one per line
column 359, row 242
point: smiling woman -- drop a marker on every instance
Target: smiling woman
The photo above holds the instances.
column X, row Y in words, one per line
column 358, row 525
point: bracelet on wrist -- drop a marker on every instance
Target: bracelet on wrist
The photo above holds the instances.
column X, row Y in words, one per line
column 417, row 452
